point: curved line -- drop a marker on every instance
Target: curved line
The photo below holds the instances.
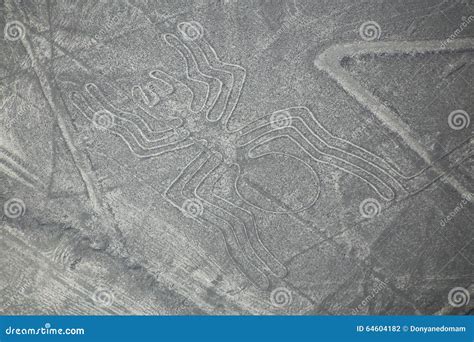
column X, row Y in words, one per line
column 331, row 136
column 375, row 188
column 188, row 75
column 319, row 151
column 259, row 239
column 238, row 242
column 315, row 177
column 177, row 83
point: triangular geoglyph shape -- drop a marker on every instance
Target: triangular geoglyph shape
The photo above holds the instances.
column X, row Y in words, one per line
column 330, row 61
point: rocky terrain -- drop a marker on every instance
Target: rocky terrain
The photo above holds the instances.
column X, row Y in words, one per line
column 236, row 157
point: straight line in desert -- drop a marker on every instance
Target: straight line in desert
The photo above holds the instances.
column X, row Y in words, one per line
column 330, row 62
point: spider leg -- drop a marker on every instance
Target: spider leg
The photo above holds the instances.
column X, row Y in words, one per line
column 193, row 71
column 183, row 192
column 129, row 127
column 229, row 76
column 245, row 220
column 96, row 96
column 316, row 143
column 378, row 166
column 223, row 81
column 237, row 79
